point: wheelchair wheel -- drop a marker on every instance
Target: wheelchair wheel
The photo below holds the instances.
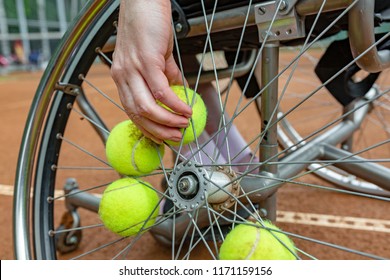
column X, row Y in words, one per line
column 63, row 170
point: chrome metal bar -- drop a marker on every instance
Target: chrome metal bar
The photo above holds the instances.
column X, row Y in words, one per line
column 269, row 101
column 372, row 172
column 164, row 231
column 258, row 188
column 311, row 7
column 362, row 37
column 314, row 149
column 77, row 198
column 223, row 21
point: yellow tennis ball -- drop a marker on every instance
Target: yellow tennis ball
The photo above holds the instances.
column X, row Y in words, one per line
column 253, row 242
column 128, row 205
column 199, row 114
column 129, row 152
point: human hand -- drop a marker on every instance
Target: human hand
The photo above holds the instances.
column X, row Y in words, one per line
column 143, row 68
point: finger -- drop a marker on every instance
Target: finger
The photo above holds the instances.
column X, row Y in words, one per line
column 173, row 73
column 150, row 136
column 139, row 102
column 157, row 122
column 159, row 86
column 159, row 133
column 155, row 131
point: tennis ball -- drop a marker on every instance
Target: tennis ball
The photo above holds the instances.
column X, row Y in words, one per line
column 253, row 242
column 129, row 152
column 128, row 205
column 199, row 114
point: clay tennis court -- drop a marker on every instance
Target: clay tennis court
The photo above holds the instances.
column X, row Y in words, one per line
column 16, row 93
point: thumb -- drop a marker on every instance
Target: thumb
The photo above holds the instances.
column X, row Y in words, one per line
column 173, row 73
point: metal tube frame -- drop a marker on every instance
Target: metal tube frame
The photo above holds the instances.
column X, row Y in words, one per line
column 369, row 171
column 362, row 37
column 268, row 107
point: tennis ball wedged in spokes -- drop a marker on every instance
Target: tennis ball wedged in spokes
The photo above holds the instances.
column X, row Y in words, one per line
column 128, row 205
column 199, row 114
column 129, row 152
column 253, row 242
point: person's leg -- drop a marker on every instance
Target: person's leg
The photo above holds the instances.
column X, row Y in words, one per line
column 238, row 152
column 204, row 153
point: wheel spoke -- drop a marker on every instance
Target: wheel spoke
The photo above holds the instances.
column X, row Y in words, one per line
column 59, row 136
column 82, row 77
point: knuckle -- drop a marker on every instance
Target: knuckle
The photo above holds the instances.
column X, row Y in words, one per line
column 136, row 118
column 143, row 110
column 158, row 94
column 117, row 72
column 177, row 73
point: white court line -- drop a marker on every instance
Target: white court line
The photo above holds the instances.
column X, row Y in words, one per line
column 6, row 190
column 334, row 221
column 296, row 217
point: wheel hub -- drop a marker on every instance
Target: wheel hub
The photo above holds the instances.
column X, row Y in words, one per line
column 191, row 186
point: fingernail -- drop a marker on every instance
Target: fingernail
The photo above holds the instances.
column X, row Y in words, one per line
column 189, row 113
column 184, row 123
column 176, row 138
